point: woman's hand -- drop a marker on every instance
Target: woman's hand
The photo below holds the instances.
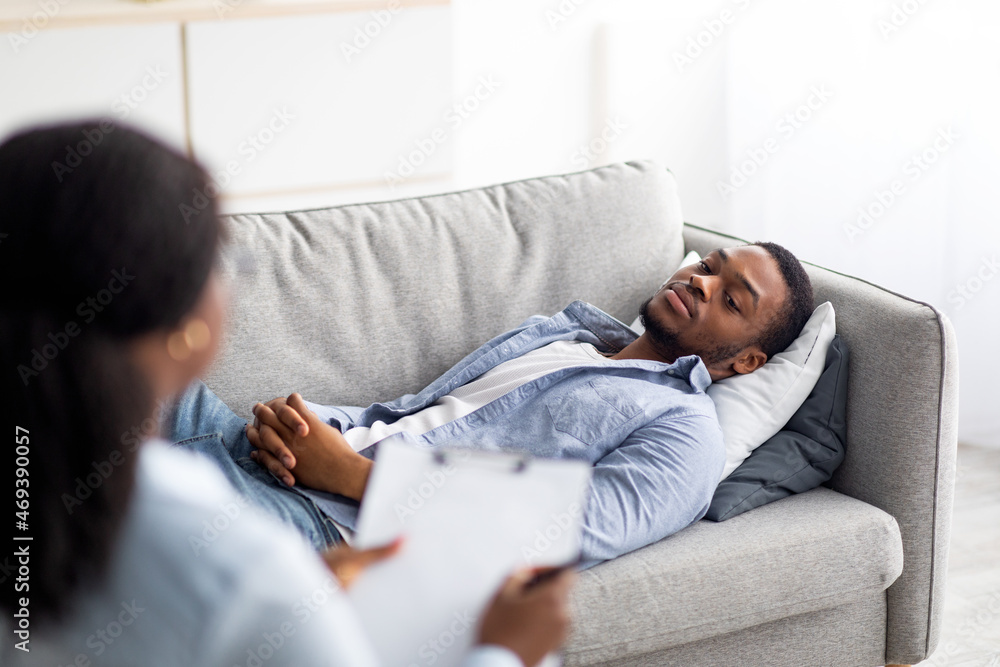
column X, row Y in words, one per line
column 531, row 620
column 347, row 563
column 289, row 438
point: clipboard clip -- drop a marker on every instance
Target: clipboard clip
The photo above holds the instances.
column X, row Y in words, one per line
column 519, row 464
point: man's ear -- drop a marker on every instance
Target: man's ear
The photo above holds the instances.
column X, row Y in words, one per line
column 745, row 362
column 749, row 360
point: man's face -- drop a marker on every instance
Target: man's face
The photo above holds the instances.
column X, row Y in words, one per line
column 715, row 308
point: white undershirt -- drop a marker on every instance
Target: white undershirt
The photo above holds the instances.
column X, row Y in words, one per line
column 485, row 389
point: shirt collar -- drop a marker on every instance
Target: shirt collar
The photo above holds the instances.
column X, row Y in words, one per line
column 693, row 369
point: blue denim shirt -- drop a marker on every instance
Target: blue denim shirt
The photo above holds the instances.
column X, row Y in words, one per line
column 648, row 428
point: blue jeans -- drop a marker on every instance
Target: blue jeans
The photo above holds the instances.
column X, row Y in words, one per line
column 200, row 422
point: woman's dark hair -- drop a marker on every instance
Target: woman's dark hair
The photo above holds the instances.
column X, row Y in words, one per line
column 100, row 241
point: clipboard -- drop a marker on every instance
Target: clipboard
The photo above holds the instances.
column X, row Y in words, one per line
column 469, row 519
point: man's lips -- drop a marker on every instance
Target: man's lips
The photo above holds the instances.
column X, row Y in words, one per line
column 680, row 300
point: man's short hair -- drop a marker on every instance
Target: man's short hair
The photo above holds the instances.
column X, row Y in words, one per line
column 786, row 326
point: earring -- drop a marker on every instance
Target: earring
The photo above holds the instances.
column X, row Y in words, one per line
column 194, row 337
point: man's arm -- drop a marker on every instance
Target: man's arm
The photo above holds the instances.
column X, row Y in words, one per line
column 296, row 445
column 658, row 481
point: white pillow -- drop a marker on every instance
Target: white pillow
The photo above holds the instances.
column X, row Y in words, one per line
column 755, row 406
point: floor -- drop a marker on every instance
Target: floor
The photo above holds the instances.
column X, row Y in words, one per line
column 970, row 634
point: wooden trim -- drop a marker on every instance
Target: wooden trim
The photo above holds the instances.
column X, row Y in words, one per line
column 15, row 14
column 185, row 93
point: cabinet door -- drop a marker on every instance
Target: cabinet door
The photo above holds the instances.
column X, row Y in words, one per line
column 128, row 73
column 299, row 104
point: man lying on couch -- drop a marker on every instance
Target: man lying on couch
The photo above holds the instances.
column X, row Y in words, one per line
column 577, row 385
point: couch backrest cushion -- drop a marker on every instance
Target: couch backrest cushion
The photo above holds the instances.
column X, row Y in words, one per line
column 353, row 304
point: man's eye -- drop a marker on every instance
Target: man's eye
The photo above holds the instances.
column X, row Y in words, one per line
column 732, row 304
column 704, row 267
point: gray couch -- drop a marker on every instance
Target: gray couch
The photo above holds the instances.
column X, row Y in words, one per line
column 367, row 302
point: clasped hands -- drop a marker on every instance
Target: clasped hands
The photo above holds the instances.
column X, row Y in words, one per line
column 297, row 446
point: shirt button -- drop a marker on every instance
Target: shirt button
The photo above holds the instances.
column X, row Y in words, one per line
column 673, row 373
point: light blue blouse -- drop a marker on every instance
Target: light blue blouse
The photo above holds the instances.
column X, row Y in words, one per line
column 200, row 578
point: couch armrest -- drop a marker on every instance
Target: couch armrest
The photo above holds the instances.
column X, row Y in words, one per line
column 902, row 417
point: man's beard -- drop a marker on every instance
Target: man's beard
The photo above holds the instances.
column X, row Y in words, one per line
column 669, row 346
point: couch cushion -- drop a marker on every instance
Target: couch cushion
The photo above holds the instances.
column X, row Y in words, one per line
column 359, row 303
column 850, row 634
column 800, row 554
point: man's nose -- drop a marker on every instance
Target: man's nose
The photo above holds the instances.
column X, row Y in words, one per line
column 705, row 285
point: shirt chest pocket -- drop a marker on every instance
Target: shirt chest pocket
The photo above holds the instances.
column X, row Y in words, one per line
column 593, row 411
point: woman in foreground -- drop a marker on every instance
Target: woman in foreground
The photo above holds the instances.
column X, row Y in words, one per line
column 142, row 554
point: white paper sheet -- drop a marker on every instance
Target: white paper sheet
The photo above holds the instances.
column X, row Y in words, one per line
column 468, row 521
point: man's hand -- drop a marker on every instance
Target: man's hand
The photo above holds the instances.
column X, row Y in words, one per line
column 530, row 620
column 289, row 437
column 347, row 563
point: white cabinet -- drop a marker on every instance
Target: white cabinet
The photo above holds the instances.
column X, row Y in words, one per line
column 289, row 103
column 128, row 73
column 304, row 103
